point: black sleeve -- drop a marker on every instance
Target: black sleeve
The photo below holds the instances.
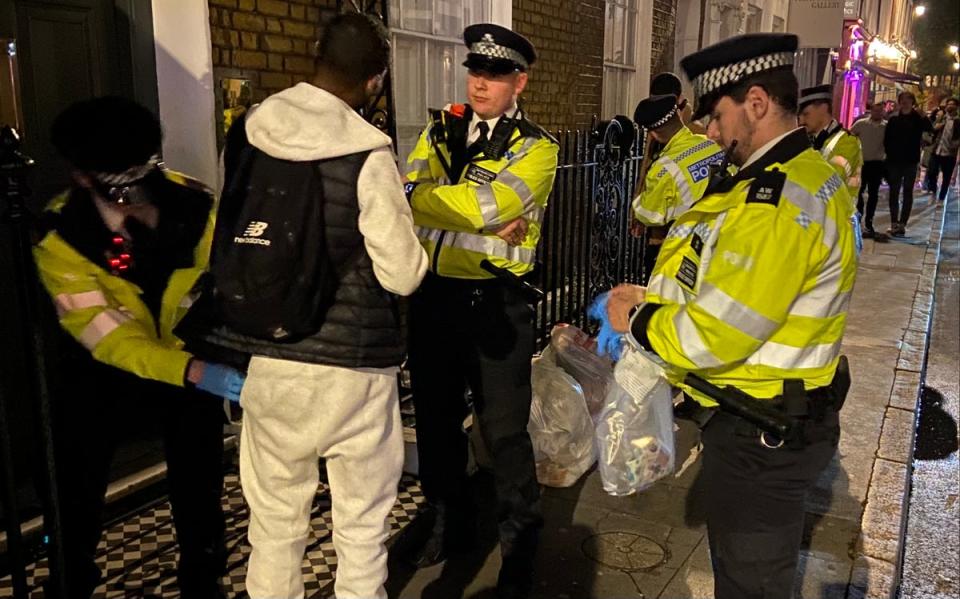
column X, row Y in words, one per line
column 639, row 326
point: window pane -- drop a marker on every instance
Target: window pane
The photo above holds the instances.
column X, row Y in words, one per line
column 441, row 68
column 608, row 33
column 416, row 15
column 630, row 31
column 618, row 31
column 476, row 11
column 449, row 18
column 409, row 81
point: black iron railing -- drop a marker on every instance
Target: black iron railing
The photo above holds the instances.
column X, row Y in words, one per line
column 586, row 247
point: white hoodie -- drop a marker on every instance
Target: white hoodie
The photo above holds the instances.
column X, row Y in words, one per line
column 305, row 123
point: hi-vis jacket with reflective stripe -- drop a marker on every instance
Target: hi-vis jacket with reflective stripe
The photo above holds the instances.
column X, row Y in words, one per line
column 842, row 150
column 752, row 284
column 455, row 219
column 677, row 178
column 105, row 312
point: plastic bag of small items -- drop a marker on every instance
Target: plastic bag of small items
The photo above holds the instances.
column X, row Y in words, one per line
column 560, row 426
column 576, row 353
column 634, row 432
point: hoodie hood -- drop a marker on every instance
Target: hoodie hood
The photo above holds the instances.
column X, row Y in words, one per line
column 307, row 123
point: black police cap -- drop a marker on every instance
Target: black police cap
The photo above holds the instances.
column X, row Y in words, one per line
column 719, row 67
column 666, row 83
column 496, row 49
column 655, row 111
column 813, row 94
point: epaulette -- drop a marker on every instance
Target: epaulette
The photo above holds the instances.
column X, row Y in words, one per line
column 767, row 187
column 530, row 129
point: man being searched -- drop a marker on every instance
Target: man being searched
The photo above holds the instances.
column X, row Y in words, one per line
column 313, row 204
column 760, row 273
column 479, row 179
column 837, row 145
column 678, row 174
column 122, row 251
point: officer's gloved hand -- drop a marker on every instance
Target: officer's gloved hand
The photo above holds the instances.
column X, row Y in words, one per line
column 221, row 380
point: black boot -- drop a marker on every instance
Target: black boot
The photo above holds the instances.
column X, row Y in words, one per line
column 516, row 571
column 439, row 530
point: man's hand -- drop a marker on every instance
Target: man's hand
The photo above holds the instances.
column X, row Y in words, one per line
column 216, row 379
column 622, row 299
column 514, row 232
column 636, row 228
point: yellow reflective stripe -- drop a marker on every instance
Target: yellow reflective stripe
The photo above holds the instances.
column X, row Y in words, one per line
column 418, row 165
column 813, row 208
column 490, row 245
column 642, row 212
column 100, row 326
column 724, row 308
column 487, row 201
column 823, row 301
column 683, row 190
column 666, row 288
column 691, row 343
column 428, row 234
column 68, row 302
column 830, row 145
column 519, row 186
column 778, row 355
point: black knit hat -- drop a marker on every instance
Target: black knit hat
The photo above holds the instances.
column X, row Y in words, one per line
column 113, row 138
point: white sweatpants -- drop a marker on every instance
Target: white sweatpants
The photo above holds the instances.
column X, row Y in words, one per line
column 294, row 413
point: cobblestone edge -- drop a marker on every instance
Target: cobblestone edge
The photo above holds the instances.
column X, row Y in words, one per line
column 878, row 555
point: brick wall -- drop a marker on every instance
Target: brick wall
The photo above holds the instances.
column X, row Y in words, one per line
column 566, row 83
column 266, row 41
column 664, row 33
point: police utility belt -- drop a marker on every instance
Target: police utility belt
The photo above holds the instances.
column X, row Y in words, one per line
column 789, row 419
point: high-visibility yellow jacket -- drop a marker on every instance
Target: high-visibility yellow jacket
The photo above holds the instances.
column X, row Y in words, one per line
column 677, row 178
column 105, row 312
column 752, row 283
column 842, row 150
column 456, row 216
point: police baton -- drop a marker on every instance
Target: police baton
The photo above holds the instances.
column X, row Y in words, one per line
column 531, row 293
column 754, row 411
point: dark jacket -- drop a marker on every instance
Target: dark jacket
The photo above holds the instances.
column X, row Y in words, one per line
column 904, row 137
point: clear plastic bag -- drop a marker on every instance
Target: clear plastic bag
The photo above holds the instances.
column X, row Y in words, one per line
column 635, row 429
column 560, row 426
column 576, row 353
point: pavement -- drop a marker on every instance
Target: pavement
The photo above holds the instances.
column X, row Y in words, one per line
column 653, row 544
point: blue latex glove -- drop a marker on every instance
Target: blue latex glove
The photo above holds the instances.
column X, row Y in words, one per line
column 222, row 380
column 609, row 342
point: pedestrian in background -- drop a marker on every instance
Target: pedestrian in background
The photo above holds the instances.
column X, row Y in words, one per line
column 870, row 130
column 902, row 142
column 946, row 143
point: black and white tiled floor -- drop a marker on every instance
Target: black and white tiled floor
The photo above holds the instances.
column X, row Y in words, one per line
column 138, row 556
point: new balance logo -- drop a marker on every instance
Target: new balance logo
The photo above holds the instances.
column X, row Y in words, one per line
column 253, row 233
column 255, row 229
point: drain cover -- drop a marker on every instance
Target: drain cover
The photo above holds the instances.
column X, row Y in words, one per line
column 625, row 551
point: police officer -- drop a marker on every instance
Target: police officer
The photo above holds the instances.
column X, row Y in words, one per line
column 479, row 179
column 836, row 144
column 669, row 83
column 756, row 280
column 121, row 253
column 679, row 173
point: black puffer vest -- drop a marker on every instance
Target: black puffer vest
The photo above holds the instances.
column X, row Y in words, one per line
column 362, row 328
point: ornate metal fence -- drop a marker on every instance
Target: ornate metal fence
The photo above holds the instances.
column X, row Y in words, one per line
column 586, row 247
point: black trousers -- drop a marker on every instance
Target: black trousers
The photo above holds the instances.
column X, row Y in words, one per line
column 756, row 509
column 941, row 165
column 477, row 334
column 899, row 176
column 100, row 405
column 872, row 175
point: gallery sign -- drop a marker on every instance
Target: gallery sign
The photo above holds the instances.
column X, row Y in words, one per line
column 818, row 23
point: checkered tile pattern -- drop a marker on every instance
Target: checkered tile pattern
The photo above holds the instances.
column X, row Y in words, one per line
column 714, row 79
column 681, row 231
column 488, row 47
column 138, row 556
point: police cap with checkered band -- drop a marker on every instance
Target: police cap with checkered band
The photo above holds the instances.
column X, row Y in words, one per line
column 497, row 50
column 655, row 111
column 716, row 69
column 822, row 93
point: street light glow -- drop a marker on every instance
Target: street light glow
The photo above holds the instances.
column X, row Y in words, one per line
column 956, row 66
column 954, row 49
column 919, row 10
